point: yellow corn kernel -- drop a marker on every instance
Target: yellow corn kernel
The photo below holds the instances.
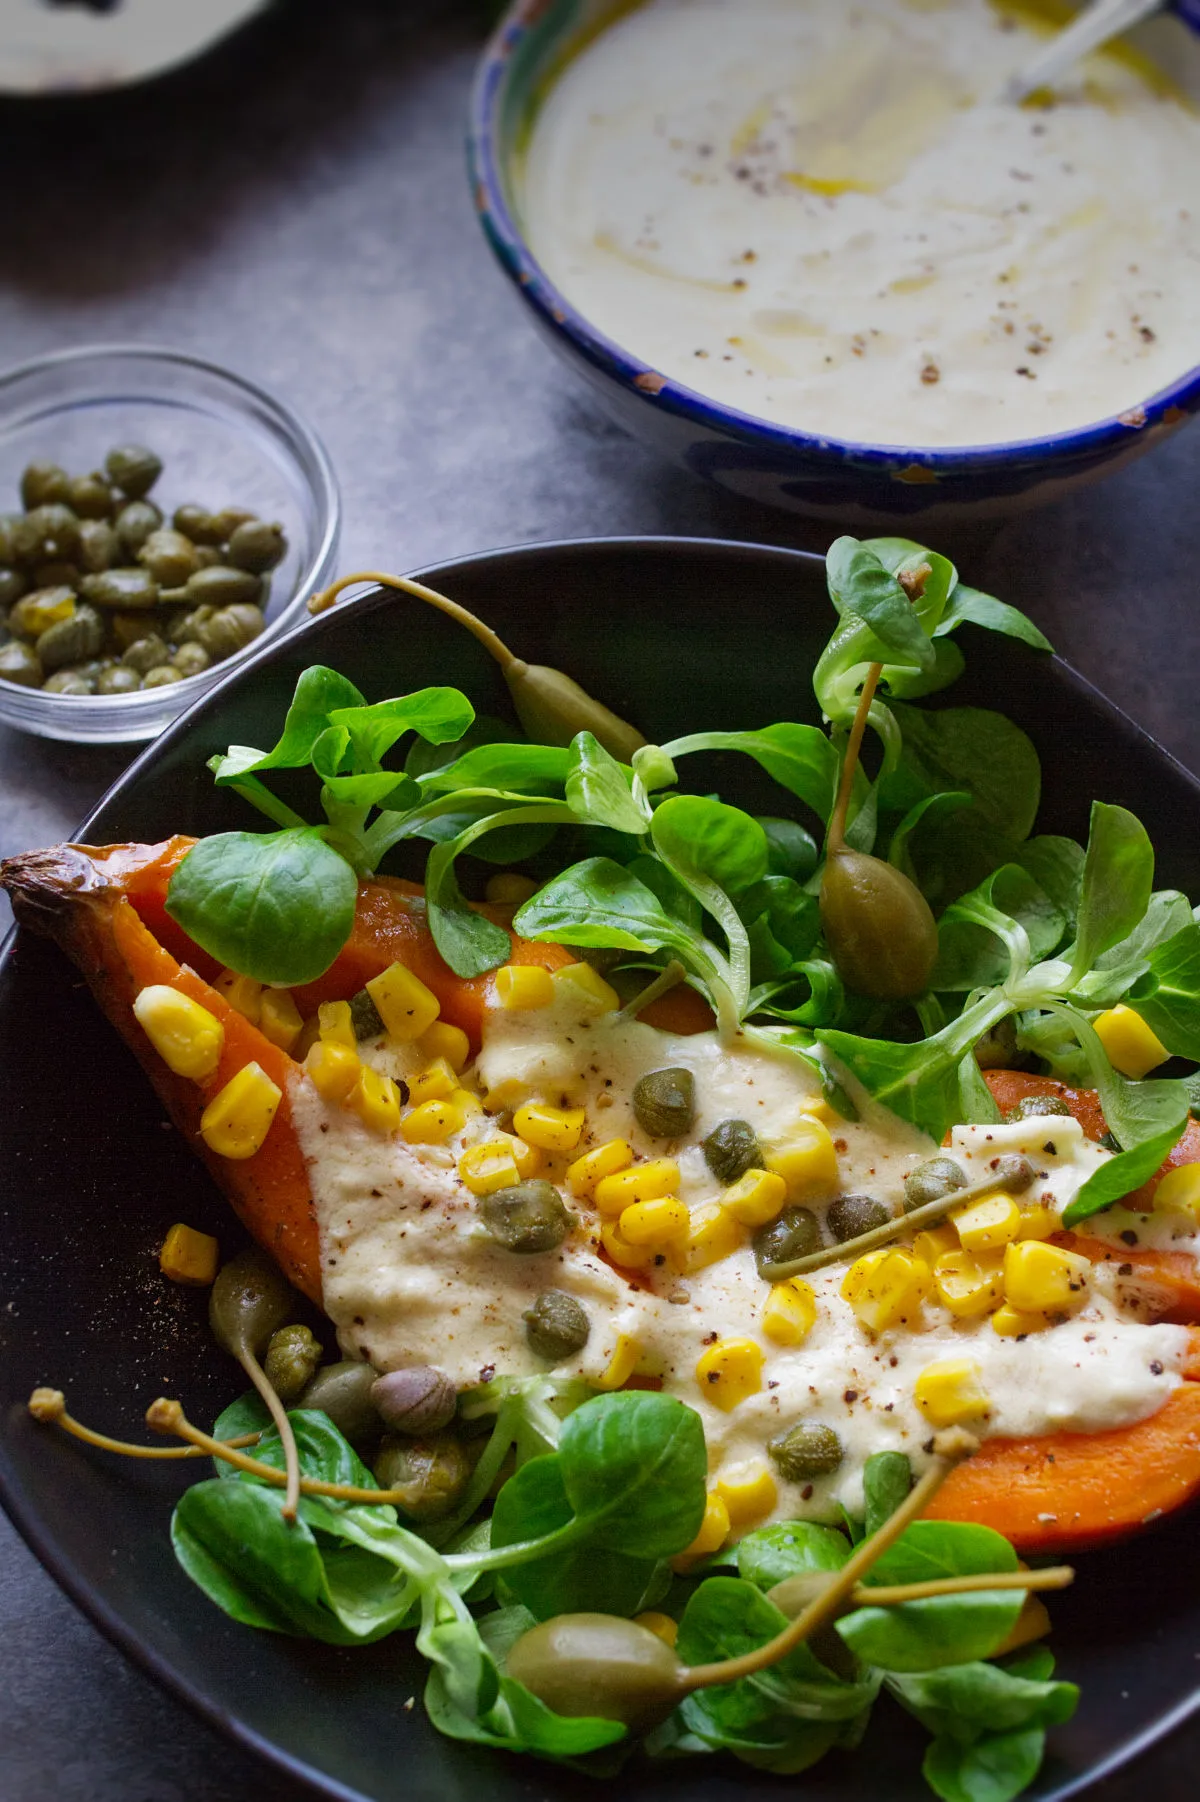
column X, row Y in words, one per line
column 594, row 1166
column 185, row 1035
column 587, row 987
column 934, row 1243
column 968, row 1284
column 661, row 1625
column 524, row 986
column 989, row 1223
column 819, row 1109
column 1179, row 1191
column 862, row 1269
column 242, row 993
column 756, row 1197
column 466, row 1101
column 508, row 888
column 714, row 1531
column 805, row 1159
column 332, row 1069
column 790, row 1313
column 507, row 1096
column 336, row 1025
column 890, row 1292
column 748, row 1491
column 279, row 1018
column 238, row 1118
column 1011, row 1323
column 550, row 1128
column 621, row 1365
column 950, row 1392
column 376, row 1100
column 623, row 1251
column 435, row 1083
column 1038, row 1222
column 659, row 1224
column 407, row 1008
column 730, row 1371
column 712, row 1235
column 450, row 1042
column 1132, row 1047
column 488, row 1166
column 310, row 1032
column 189, row 1257
column 644, row 1182
column 1042, row 1279
column 528, row 1158
column 432, row 1123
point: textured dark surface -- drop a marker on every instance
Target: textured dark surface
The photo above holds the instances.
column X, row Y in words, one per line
column 295, row 206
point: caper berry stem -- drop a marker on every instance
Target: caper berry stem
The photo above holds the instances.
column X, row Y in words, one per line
column 491, row 641
column 667, row 979
column 50, row 1407
column 283, row 1426
column 836, row 836
column 894, row 1595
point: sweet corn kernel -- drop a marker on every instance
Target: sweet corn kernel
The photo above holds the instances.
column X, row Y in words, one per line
column 968, row 1285
column 748, row 1491
column 332, row 1069
column 586, row 987
column 238, row 1118
column 488, row 1166
column 507, row 1096
column 466, row 1101
column 435, row 1083
column 550, row 1128
column 661, row 1625
column 817, row 1108
column 526, row 1157
column 950, row 1392
column 714, row 1531
column 712, row 1235
column 185, row 1035
column 790, row 1313
column 644, row 1182
column 242, row 993
column 1038, row 1222
column 523, row 986
column 621, row 1365
column 934, row 1243
column 756, row 1197
column 890, row 1292
column 508, row 888
column 432, row 1123
column 730, row 1371
column 594, row 1166
column 1179, row 1191
column 404, row 1004
column 660, row 1224
column 1010, row 1323
column 856, row 1278
column 335, row 1024
column 986, row 1224
column 1043, row 1279
column 189, row 1257
column 1132, row 1047
column 450, row 1042
column 279, row 1018
column 623, row 1251
column 376, row 1100
column 805, row 1159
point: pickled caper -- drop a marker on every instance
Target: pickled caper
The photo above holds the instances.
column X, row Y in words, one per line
column 248, row 1302
column 169, row 556
column 292, row 1356
column 429, row 1473
column 187, row 628
column 851, row 1215
column 43, row 482
column 42, row 608
column 416, row 1401
column 365, row 1017
column 599, row 1665
column 127, row 628
column 527, row 1218
column 124, row 588
column 343, row 1392
column 50, row 533
column 56, row 574
column 73, row 640
column 731, row 1149
column 1035, row 1107
column 196, row 523
column 932, row 1181
column 878, row 926
column 99, row 546
column 208, row 556
column 1012, row 1171
column 191, row 660
column 144, row 653
column 135, row 522
column 230, row 629
column 795, row 1233
column 556, row 1326
column 133, row 469
column 68, row 682
column 221, row 586
column 805, row 1452
column 118, row 680
column 227, row 520
column 257, row 546
column 664, row 1102
column 19, row 664
column 161, row 676
column 90, row 496
column 13, row 585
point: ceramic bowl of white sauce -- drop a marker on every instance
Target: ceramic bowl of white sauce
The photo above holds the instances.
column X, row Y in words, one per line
column 807, row 249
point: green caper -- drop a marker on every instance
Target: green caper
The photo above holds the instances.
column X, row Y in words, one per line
column 248, row 1302
column 599, row 1665
column 12, row 586
column 43, row 482
column 430, row 1474
column 186, row 629
column 133, row 469
column 196, row 523
column 208, row 556
column 49, row 533
column 227, row 521
column 126, row 628
column 37, row 611
column 221, row 586
column 998, row 1049
column 118, row 681
column 528, row 1217
column 191, row 660
column 124, row 588
column 731, row 1149
column 161, row 676
column 99, row 546
column 19, row 664
column 556, row 1326
column 9, row 523
column 343, row 1392
column 851, row 1215
column 169, row 556
column 89, row 496
column 365, row 1017
column 791, row 851
column 257, row 546
column 68, row 682
column 230, row 630
column 1035, row 1107
column 292, row 1356
column 1011, row 1171
column 795, row 1233
column 135, row 522
column 56, row 574
column 144, row 653
column 878, row 927
column 664, row 1102
column 805, row 1452
column 73, row 640
column 932, row 1181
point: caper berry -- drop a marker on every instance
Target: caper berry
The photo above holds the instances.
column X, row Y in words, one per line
column 99, row 546
column 42, row 483
column 50, row 533
column 1035, row 1107
column 249, row 1301
column 997, row 1049
column 292, row 1356
column 144, row 653
column 528, row 1217
column 664, row 1102
column 89, row 496
column 430, row 1474
column 257, row 546
column 118, row 680
column 556, row 1326
column 135, row 522
column 795, row 1233
column 73, row 640
column 851, row 1215
column 343, row 1392
column 731, row 1149
column 933, row 1181
column 191, row 660
column 68, row 682
column 12, row 586
column 415, row 1401
column 878, row 927
column 196, row 523
column 19, row 664
column 221, row 586
column 169, row 556
column 805, row 1452
column 133, row 469
column 36, row 612
column 125, row 588
column 365, row 1017
column 161, row 676
column 599, row 1665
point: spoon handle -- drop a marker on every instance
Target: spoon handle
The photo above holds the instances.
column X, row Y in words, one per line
column 1095, row 25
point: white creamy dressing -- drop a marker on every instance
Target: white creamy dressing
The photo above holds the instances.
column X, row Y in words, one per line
column 410, row 1275
column 820, row 212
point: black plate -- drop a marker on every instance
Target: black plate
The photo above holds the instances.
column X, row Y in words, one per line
column 674, row 633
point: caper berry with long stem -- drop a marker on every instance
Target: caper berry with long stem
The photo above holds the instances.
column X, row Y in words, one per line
column 247, row 1305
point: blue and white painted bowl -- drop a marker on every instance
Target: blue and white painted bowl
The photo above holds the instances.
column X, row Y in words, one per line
column 829, row 477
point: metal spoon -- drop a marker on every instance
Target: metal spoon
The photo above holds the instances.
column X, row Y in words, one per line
column 1095, row 26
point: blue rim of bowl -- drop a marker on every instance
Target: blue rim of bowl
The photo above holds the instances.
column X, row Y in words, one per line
column 1169, row 407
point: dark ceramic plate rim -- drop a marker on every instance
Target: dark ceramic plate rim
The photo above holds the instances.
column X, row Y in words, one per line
column 24, row 1516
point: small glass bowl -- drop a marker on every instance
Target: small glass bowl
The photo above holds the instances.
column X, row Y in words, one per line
column 223, row 442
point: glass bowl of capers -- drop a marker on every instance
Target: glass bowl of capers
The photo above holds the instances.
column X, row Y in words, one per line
column 159, row 516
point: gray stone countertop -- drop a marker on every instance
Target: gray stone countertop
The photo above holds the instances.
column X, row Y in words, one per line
column 295, row 206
